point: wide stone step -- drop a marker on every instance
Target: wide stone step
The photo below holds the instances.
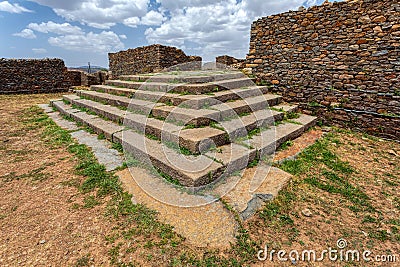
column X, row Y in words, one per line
column 188, row 78
column 135, row 78
column 217, row 113
column 98, row 125
column 109, row 89
column 202, row 117
column 196, row 140
column 190, row 101
column 241, row 126
column 237, row 156
column 191, row 171
column 184, row 88
column 267, row 142
column 184, row 114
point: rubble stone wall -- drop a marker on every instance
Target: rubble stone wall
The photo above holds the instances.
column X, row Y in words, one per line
column 232, row 62
column 19, row 76
column 81, row 78
column 147, row 59
column 339, row 60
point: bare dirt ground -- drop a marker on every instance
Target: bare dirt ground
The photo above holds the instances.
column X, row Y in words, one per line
column 327, row 202
column 46, row 220
column 39, row 223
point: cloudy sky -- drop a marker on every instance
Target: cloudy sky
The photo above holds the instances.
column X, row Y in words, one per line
column 86, row 30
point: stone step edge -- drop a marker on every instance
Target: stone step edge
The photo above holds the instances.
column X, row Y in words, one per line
column 191, row 101
column 267, row 149
column 198, row 89
column 201, row 117
column 165, row 77
column 195, row 146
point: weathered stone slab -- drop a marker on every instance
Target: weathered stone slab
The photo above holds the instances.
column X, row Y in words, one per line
column 135, row 78
column 234, row 156
column 113, row 90
column 190, row 171
column 272, row 138
column 46, row 108
column 107, row 156
column 201, row 139
column 63, row 123
column 63, row 108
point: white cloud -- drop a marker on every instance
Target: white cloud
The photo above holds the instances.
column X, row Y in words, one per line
column 153, row 18
column 103, row 42
column 52, row 27
column 74, row 38
column 39, row 50
column 132, row 22
column 13, row 8
column 218, row 26
column 26, row 33
column 205, row 27
column 263, row 8
column 102, row 14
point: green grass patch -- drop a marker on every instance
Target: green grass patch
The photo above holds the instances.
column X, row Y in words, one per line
column 90, row 202
column 118, row 146
column 286, row 145
column 333, row 175
column 37, row 174
column 180, row 149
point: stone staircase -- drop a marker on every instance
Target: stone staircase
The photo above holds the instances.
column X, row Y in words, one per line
column 192, row 127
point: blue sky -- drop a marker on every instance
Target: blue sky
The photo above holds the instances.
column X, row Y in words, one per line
column 85, row 31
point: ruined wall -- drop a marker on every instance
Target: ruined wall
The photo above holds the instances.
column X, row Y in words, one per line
column 74, row 77
column 81, row 78
column 147, row 59
column 231, row 61
column 32, row 76
column 339, row 60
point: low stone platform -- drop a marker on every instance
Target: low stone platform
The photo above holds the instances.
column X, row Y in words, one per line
column 159, row 151
column 194, row 128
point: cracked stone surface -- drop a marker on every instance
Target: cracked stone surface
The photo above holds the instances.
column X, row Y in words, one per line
column 107, row 156
column 210, row 225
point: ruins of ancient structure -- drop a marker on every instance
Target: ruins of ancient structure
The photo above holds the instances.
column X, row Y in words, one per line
column 194, row 126
column 33, row 76
column 340, row 60
column 147, row 59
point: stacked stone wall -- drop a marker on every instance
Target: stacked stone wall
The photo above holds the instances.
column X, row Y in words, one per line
column 19, row 76
column 229, row 61
column 339, row 60
column 148, row 59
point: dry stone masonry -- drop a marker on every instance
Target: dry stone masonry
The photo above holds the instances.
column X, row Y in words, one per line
column 32, row 76
column 340, row 60
column 232, row 62
column 81, row 78
column 147, row 59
